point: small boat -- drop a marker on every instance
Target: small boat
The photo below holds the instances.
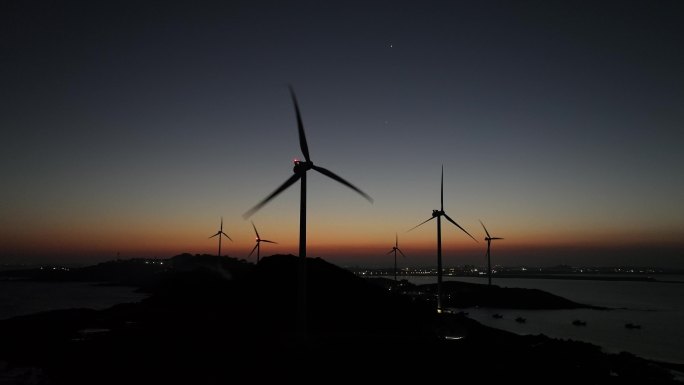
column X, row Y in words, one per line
column 520, row 320
column 579, row 323
column 497, row 316
column 632, row 326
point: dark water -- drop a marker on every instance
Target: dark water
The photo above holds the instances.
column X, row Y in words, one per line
column 657, row 307
column 23, row 297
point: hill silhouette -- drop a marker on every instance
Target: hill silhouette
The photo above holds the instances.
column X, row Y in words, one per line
column 206, row 326
column 464, row 294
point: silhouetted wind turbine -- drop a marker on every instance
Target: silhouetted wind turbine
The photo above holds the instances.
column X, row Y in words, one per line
column 258, row 242
column 489, row 240
column 300, row 169
column 439, row 214
column 395, row 249
column 220, row 233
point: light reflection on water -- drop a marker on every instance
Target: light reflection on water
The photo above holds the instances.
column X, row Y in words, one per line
column 658, row 307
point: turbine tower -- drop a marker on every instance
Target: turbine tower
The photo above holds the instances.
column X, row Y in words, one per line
column 300, row 169
column 258, row 242
column 220, row 234
column 439, row 214
column 489, row 240
column 395, row 249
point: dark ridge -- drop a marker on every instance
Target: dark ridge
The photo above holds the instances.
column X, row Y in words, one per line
column 144, row 273
column 336, row 298
column 201, row 326
column 460, row 294
column 464, row 294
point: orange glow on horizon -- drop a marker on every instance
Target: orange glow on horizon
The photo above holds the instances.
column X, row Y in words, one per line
column 337, row 243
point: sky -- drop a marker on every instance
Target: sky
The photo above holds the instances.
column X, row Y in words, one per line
column 130, row 128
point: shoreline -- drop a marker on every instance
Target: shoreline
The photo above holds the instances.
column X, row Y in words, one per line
column 196, row 320
column 535, row 276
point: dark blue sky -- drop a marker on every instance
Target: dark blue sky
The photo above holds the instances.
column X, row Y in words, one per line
column 132, row 127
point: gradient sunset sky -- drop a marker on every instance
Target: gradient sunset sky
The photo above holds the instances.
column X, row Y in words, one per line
column 131, row 127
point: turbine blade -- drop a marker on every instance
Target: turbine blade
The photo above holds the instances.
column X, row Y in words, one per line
column 389, row 252
column 214, row 235
column 485, row 229
column 334, row 176
column 300, row 126
column 267, row 241
column 402, row 253
column 421, row 223
column 441, row 192
column 396, row 240
column 457, row 225
column 252, row 252
column 255, row 231
column 280, row 189
column 221, row 223
column 226, row 236
column 495, row 238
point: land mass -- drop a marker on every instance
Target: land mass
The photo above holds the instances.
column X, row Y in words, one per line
column 220, row 321
column 463, row 295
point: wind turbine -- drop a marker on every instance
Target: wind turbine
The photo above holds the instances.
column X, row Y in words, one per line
column 395, row 249
column 220, row 233
column 489, row 240
column 258, row 242
column 300, row 169
column 439, row 214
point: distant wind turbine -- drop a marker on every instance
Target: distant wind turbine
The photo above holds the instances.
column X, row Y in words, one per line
column 395, row 249
column 220, row 234
column 439, row 214
column 300, row 169
column 257, row 247
column 489, row 240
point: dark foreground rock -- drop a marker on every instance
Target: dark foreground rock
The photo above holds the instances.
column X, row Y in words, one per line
column 200, row 327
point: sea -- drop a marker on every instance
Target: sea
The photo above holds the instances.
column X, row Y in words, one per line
column 656, row 306
column 18, row 297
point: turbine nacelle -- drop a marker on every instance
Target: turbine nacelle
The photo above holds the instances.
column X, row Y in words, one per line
column 437, row 213
column 302, row 166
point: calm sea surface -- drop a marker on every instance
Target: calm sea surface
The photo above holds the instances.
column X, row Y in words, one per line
column 658, row 307
column 24, row 297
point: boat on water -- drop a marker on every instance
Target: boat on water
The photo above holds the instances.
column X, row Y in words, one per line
column 579, row 323
column 632, row 326
column 520, row 320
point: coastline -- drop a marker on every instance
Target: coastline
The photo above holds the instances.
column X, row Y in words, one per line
column 198, row 322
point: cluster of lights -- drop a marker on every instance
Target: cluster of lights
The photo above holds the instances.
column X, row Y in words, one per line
column 55, row 268
column 469, row 270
